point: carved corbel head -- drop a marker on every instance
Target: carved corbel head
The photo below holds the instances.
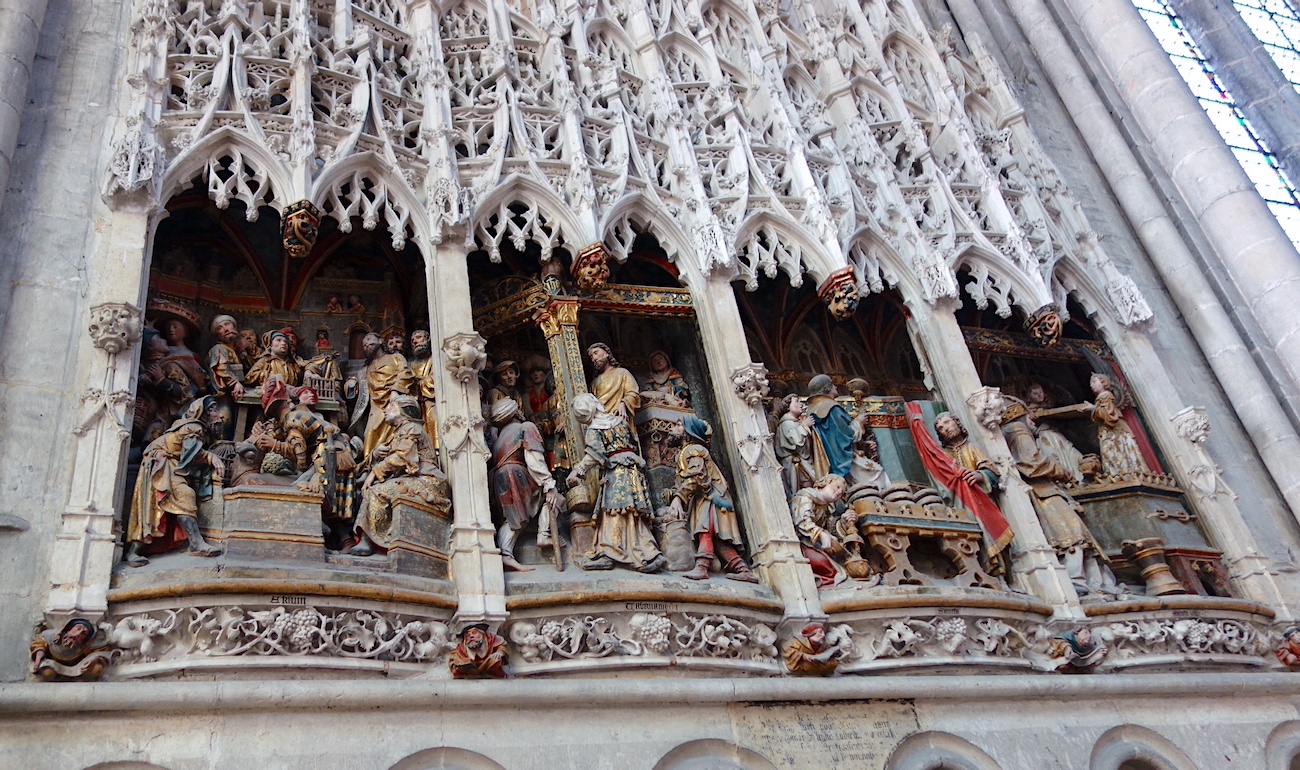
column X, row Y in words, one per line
column 1045, row 325
column 750, row 383
column 115, row 326
column 840, row 293
column 300, row 224
column 1193, row 424
column 591, row 268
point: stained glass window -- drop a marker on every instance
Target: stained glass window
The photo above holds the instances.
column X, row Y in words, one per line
column 1259, row 163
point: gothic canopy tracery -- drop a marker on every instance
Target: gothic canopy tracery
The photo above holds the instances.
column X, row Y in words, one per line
column 753, row 138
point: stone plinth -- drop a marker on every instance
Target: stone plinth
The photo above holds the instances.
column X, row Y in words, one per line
column 420, row 540
column 273, row 523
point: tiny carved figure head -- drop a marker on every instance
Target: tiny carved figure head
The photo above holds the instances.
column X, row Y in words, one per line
column 373, row 345
column 173, row 330
column 815, row 633
column 308, row 397
column 1100, row 383
column 507, row 374
column 155, row 347
column 832, row 487
column 395, row 339
column 659, row 362
column 842, row 299
column 505, row 411
column 792, row 405
column 822, row 385
column 76, row 634
column 280, row 345
column 587, row 407
column 401, row 408
column 475, row 637
column 354, row 303
column 247, row 342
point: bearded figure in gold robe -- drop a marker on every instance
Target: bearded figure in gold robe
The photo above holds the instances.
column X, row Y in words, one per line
column 173, row 477
column 613, row 386
column 422, row 364
column 387, row 374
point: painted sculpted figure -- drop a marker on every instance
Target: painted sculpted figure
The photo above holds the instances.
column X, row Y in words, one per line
column 820, row 529
column 793, row 443
column 1119, row 447
column 422, row 366
column 506, row 380
column 840, row 443
column 277, row 361
column 176, row 472
column 481, row 654
column 406, row 466
column 79, row 651
column 224, row 367
column 613, row 386
column 386, row 375
column 164, row 389
column 702, row 494
column 1059, row 513
column 541, row 407
column 1051, row 440
column 665, row 383
column 521, row 480
column 810, row 653
column 623, row 510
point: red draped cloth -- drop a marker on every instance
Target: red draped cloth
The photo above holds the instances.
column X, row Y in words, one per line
column 947, row 472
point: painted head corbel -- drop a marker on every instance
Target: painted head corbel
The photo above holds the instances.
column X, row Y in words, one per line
column 591, row 268
column 840, row 293
column 300, row 225
column 1045, row 325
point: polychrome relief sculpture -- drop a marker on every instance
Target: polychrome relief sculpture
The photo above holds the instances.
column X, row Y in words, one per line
column 1119, row 448
column 481, row 654
column 177, row 471
column 79, row 652
column 665, row 384
column 623, row 511
column 385, row 375
column 522, row 484
column 701, row 494
column 613, row 386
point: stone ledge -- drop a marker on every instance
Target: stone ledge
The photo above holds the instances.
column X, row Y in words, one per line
column 1212, row 604
column 277, row 587
column 279, row 696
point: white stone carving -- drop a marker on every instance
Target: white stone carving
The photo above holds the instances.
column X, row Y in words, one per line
column 750, row 383
column 988, row 407
column 683, row 635
column 1131, row 639
column 466, row 356
column 227, row 631
column 1193, row 424
column 115, row 326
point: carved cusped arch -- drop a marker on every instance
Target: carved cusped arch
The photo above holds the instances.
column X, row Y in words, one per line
column 234, row 167
column 635, row 214
column 939, row 751
column 1102, row 289
column 521, row 210
column 1131, row 746
column 998, row 281
column 366, row 187
column 877, row 266
column 766, row 243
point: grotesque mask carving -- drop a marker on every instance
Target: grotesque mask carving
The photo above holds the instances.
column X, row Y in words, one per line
column 591, row 267
column 840, row 293
column 301, row 224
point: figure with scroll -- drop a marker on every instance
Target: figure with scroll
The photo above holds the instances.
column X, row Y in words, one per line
column 665, row 384
column 385, row 375
column 78, row 652
column 842, row 445
column 1060, row 515
column 702, row 497
column 405, row 466
column 1119, row 447
column 613, row 386
column 177, row 471
column 521, row 481
column 623, row 511
column 793, row 442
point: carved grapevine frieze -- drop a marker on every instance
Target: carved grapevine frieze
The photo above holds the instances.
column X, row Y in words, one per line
column 681, row 635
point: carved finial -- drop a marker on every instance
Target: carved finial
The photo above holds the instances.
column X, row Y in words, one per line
column 115, row 326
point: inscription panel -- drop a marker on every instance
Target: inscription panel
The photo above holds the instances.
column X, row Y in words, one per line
column 859, row 735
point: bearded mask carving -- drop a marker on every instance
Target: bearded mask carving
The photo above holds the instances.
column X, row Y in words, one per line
column 840, row 293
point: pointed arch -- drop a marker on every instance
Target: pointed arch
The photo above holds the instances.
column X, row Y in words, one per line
column 367, row 186
column 1000, row 281
column 766, row 241
column 534, row 195
column 878, row 266
column 640, row 209
column 1100, row 288
column 679, row 52
column 254, row 175
column 614, row 38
